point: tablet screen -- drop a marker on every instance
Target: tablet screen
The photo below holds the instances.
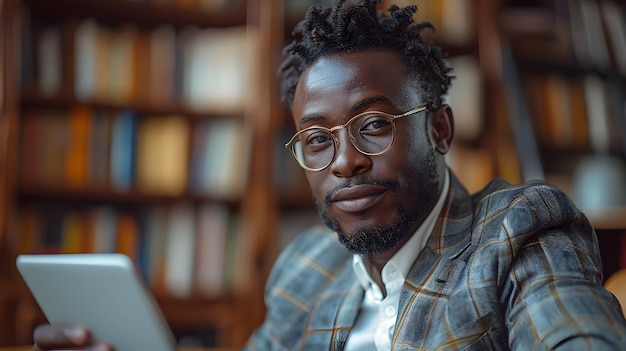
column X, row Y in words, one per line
column 102, row 292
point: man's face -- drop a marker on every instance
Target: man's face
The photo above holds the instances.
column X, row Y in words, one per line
column 373, row 202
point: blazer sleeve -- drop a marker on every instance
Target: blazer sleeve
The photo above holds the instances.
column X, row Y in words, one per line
column 301, row 273
column 553, row 291
column 261, row 339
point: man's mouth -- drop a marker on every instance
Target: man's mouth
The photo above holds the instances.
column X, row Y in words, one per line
column 357, row 198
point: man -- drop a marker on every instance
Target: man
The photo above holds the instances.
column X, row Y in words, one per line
column 411, row 261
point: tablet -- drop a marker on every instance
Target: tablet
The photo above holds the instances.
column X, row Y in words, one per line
column 102, row 292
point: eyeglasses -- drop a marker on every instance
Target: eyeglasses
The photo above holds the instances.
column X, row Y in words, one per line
column 372, row 133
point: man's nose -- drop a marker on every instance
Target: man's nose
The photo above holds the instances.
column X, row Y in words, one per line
column 349, row 161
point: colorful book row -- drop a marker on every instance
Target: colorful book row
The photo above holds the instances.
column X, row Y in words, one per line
column 201, row 69
column 180, row 250
column 88, row 148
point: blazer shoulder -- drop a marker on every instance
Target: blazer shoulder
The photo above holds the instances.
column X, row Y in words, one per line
column 524, row 208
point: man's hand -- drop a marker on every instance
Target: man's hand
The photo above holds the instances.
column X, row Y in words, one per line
column 59, row 337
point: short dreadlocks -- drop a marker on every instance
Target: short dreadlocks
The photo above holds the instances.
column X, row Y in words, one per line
column 350, row 27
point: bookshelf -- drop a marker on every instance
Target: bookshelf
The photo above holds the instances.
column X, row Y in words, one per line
column 138, row 127
column 572, row 81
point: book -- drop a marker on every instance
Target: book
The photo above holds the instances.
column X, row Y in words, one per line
column 72, row 233
column 182, row 63
column 49, row 60
column 215, row 69
column 224, row 158
column 86, row 43
column 153, row 248
column 100, row 149
column 104, row 229
column 180, row 250
column 212, row 232
column 127, row 236
column 142, row 61
column 52, row 148
column 233, row 253
column 105, row 47
column 162, row 149
column 123, row 151
column 119, row 82
column 77, row 150
column 161, row 82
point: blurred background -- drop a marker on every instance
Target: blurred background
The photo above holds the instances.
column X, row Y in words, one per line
column 154, row 128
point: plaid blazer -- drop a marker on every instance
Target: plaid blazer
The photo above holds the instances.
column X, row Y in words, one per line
column 512, row 267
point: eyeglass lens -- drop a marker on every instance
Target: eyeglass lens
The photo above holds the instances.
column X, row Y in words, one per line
column 371, row 134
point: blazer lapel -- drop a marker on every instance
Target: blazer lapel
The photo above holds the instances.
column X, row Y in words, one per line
column 346, row 316
column 433, row 274
column 334, row 313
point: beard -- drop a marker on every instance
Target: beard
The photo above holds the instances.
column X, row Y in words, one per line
column 378, row 239
column 368, row 241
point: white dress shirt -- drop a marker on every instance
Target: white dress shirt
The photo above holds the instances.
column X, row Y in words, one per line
column 376, row 321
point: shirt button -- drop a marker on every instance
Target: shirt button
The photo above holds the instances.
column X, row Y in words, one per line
column 390, row 311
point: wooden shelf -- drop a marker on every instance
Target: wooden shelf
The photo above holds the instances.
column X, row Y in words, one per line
column 142, row 14
column 41, row 193
column 31, row 100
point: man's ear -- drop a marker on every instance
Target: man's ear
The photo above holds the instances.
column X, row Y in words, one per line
column 442, row 131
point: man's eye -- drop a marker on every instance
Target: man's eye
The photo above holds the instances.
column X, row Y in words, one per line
column 317, row 138
column 374, row 124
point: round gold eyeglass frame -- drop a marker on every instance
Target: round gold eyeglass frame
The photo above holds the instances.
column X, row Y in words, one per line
column 290, row 144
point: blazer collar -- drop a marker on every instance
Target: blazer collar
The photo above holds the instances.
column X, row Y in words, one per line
column 450, row 237
column 452, row 232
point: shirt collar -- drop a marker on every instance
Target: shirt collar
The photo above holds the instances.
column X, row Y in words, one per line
column 404, row 258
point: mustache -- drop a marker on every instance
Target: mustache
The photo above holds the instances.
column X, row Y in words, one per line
column 389, row 184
